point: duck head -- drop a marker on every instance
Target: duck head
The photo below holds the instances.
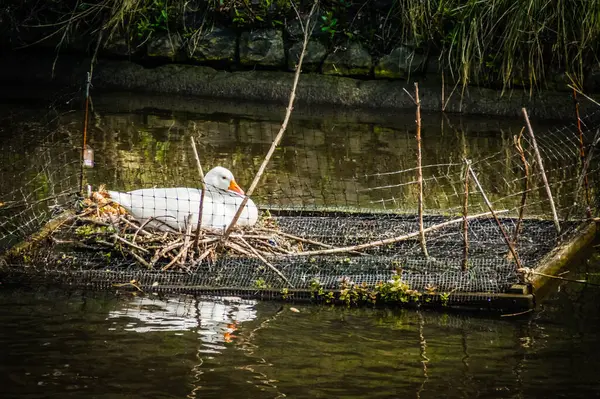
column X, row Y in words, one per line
column 223, row 179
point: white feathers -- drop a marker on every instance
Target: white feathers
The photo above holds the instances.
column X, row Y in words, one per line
column 171, row 206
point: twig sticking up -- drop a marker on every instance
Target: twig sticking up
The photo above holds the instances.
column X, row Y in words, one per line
column 500, row 226
column 465, row 264
column 420, row 173
column 201, row 173
column 542, row 171
column 517, row 141
column 307, row 30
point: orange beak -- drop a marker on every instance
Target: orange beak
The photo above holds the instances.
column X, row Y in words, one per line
column 233, row 186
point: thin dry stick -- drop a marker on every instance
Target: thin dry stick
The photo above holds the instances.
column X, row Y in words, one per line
column 392, row 240
column 186, row 240
column 237, row 248
column 127, row 250
column 542, row 171
column 201, row 173
column 139, row 259
column 582, row 156
column 259, row 256
column 465, row 264
column 583, row 94
column 528, row 272
column 500, row 226
column 175, row 259
column 443, row 93
column 182, row 255
column 306, row 240
column 519, row 147
column 159, row 254
column 517, row 314
column 124, row 241
column 139, row 229
column 279, row 136
column 420, row 173
column 204, row 255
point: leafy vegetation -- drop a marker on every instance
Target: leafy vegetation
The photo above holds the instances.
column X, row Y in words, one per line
column 394, row 292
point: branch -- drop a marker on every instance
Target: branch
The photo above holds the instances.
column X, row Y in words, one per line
column 279, row 136
column 391, row 240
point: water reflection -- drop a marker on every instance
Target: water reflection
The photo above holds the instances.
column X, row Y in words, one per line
column 214, row 320
column 99, row 345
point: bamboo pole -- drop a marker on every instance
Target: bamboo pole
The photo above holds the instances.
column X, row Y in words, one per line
column 203, row 184
column 465, row 225
column 489, row 205
column 420, row 173
column 279, row 136
column 542, row 171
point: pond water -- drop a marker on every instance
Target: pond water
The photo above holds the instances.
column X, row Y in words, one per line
column 102, row 345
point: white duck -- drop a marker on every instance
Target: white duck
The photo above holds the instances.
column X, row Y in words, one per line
column 172, row 206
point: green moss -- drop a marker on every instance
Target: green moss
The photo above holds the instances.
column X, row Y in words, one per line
column 383, row 73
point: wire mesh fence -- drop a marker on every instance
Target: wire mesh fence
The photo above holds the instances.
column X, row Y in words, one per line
column 337, row 206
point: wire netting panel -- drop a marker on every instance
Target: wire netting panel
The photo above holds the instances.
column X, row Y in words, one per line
column 39, row 165
column 333, row 184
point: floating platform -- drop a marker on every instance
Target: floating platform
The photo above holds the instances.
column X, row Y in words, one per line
column 391, row 275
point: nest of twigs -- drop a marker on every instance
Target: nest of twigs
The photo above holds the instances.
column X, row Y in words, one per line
column 103, row 225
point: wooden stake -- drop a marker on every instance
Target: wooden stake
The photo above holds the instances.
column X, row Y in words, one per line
column 542, row 171
column 420, row 173
column 489, row 205
column 279, row 136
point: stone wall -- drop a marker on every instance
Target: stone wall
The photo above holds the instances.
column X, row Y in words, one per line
column 275, row 49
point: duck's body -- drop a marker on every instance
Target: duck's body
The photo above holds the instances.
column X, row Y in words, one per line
column 172, row 206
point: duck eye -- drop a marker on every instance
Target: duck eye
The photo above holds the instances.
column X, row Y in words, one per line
column 224, row 178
